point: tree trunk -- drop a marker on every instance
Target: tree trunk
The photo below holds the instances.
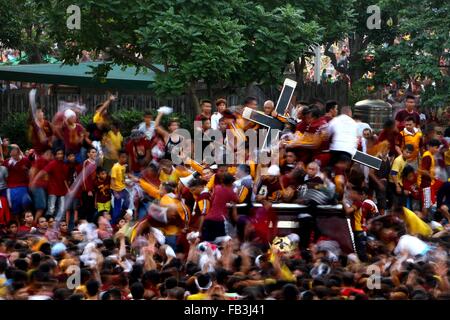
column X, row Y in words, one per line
column 194, row 99
column 299, row 67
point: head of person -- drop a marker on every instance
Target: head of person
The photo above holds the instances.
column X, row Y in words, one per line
column 148, row 117
column 227, row 180
column 221, row 105
column 430, row 132
column 51, row 222
column 251, row 102
column 206, row 124
column 273, row 173
column 197, row 186
column 223, row 124
column 312, row 169
column 28, row 218
column 318, row 103
column 242, row 171
column 15, row 152
column 173, row 125
column 115, row 126
column 167, row 187
column 306, row 114
column 290, row 157
column 102, row 174
column 59, row 154
column 39, row 113
column 367, row 133
column 347, row 110
column 410, row 124
column 70, row 116
column 433, row 146
column 389, row 125
column 12, row 227
column 42, row 223
column 315, row 113
column 206, row 107
column 410, row 102
column 407, row 151
column 63, row 227
column 221, row 169
column 207, row 174
column 166, row 166
column 123, row 157
column 269, row 107
column 408, row 173
column 357, row 194
column 331, row 108
column 92, row 153
column 71, row 158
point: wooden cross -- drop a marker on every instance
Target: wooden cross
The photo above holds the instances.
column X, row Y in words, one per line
column 270, row 122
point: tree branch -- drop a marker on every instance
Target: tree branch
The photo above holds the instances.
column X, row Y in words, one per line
column 133, row 58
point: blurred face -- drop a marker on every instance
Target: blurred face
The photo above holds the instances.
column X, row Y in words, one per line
column 173, row 126
column 406, row 154
column 92, row 154
column 71, row 120
column 222, row 125
column 14, row 153
column 290, row 157
column 51, row 222
column 28, row 218
column 39, row 114
column 268, row 108
column 63, row 226
column 102, row 175
column 123, row 158
column 410, row 104
column 312, row 170
column 221, row 107
column 434, row 150
column 367, row 133
column 206, row 108
column 42, row 223
column 59, row 155
column 122, row 223
column 252, row 104
column 207, row 174
column 148, row 119
column 206, row 125
column 334, row 111
column 409, row 125
column 13, row 228
column 71, row 157
column 166, row 169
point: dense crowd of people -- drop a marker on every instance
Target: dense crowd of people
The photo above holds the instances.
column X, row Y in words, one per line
column 90, row 214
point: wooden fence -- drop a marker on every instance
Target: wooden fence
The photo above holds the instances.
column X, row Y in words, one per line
column 15, row 101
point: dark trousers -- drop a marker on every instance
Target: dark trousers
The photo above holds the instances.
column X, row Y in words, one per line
column 361, row 245
column 87, row 209
column 212, row 229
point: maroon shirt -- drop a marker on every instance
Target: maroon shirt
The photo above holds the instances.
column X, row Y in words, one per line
column 57, row 177
column 102, row 190
column 221, row 196
column 403, row 114
column 73, row 138
column 40, row 136
column 133, row 149
column 18, row 173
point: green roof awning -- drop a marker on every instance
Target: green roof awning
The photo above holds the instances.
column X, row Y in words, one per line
column 76, row 75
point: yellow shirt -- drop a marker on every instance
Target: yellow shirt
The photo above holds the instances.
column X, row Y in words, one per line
column 198, row 296
column 118, row 177
column 398, row 166
column 414, row 139
column 115, row 140
column 98, row 118
column 174, row 176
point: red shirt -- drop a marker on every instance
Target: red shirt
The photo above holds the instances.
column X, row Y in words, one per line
column 57, row 177
column 72, row 138
column 425, row 166
column 89, row 175
column 137, row 149
column 40, row 136
column 392, row 137
column 403, row 114
column 18, row 172
column 39, row 165
column 221, row 196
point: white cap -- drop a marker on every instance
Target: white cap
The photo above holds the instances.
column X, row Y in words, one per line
column 273, row 170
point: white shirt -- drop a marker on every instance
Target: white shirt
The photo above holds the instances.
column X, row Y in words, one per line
column 413, row 245
column 149, row 132
column 215, row 120
column 343, row 130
